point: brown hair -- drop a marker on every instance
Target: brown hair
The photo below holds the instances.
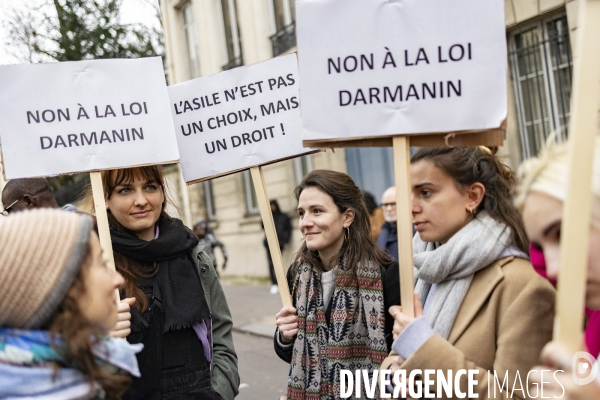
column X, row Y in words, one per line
column 131, row 270
column 80, row 337
column 468, row 165
column 360, row 246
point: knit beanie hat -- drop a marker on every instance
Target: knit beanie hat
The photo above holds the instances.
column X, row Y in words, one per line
column 41, row 252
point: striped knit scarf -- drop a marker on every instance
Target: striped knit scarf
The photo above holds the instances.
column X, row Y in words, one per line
column 354, row 338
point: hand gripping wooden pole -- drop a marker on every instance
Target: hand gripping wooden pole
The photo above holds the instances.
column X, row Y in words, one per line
column 404, row 222
column 267, row 216
column 583, row 130
column 102, row 221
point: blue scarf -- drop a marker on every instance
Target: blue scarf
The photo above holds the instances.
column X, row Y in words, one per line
column 26, row 359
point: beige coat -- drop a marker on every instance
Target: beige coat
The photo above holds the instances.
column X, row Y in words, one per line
column 504, row 321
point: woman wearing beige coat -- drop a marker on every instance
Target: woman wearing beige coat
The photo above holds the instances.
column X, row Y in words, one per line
column 484, row 306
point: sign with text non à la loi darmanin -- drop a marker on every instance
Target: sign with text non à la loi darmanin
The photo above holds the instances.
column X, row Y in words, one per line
column 238, row 119
column 397, row 67
column 68, row 117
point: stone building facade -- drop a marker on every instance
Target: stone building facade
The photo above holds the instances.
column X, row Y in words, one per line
column 204, row 37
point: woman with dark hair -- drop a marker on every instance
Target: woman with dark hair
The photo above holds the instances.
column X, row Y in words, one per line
column 57, row 305
column 376, row 217
column 179, row 309
column 341, row 285
column 485, row 308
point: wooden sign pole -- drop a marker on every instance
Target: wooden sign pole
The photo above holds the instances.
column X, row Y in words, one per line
column 262, row 196
column 2, row 180
column 404, row 222
column 583, row 129
column 102, row 221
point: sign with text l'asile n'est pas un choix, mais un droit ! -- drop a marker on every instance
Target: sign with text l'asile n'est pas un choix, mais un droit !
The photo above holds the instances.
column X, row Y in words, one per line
column 237, row 119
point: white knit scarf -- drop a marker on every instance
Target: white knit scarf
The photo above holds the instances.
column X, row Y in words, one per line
column 451, row 266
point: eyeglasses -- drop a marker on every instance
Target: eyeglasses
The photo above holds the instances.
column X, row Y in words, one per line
column 384, row 205
column 6, row 210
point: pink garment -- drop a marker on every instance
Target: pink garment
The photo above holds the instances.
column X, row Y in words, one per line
column 592, row 330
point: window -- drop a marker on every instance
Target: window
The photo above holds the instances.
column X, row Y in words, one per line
column 209, row 200
column 285, row 32
column 233, row 42
column 284, row 13
column 542, row 68
column 250, row 195
column 302, row 166
column 191, row 41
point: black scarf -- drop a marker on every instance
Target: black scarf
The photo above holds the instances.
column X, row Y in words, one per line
column 177, row 278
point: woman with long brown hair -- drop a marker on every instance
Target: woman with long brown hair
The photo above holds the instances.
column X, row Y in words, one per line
column 485, row 308
column 342, row 286
column 57, row 304
column 179, row 311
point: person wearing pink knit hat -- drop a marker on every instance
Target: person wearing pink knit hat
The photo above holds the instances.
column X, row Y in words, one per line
column 57, row 304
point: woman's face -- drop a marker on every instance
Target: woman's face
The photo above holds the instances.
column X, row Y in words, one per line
column 439, row 209
column 542, row 216
column 98, row 303
column 137, row 205
column 321, row 223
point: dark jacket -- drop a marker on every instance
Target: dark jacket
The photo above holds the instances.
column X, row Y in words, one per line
column 283, row 227
column 390, row 276
column 388, row 239
column 224, row 376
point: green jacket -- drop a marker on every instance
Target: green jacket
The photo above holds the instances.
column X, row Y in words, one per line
column 224, row 370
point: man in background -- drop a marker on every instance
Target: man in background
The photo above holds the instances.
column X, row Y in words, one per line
column 209, row 241
column 27, row 193
column 388, row 237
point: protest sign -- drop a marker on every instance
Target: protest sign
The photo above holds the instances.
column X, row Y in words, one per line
column 79, row 116
column 402, row 73
column 384, row 68
column 91, row 115
column 583, row 130
column 238, row 119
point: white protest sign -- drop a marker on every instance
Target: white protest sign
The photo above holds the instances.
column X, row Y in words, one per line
column 85, row 115
column 238, row 119
column 390, row 67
